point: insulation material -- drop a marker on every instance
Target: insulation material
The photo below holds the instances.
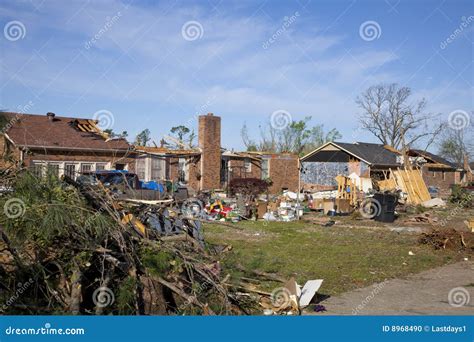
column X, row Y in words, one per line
column 323, row 173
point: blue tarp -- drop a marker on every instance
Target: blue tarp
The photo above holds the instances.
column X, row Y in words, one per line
column 152, row 185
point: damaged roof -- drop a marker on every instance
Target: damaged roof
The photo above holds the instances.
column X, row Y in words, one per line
column 167, row 151
column 372, row 154
column 433, row 158
column 59, row 132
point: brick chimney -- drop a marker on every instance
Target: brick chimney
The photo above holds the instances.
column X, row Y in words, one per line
column 209, row 136
column 50, row 116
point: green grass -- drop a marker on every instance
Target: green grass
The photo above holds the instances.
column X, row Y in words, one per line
column 345, row 258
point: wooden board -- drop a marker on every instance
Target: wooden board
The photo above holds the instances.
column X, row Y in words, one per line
column 410, row 182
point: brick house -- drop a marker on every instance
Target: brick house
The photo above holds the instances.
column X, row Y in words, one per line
column 209, row 166
column 70, row 146
column 322, row 165
column 438, row 172
column 63, row 145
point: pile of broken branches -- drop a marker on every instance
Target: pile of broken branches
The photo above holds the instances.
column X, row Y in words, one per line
column 66, row 249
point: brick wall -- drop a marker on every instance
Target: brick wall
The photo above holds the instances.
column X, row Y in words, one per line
column 284, row 172
column 194, row 170
column 210, row 143
column 239, row 171
column 435, row 177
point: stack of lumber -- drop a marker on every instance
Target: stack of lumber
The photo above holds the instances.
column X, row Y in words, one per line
column 409, row 181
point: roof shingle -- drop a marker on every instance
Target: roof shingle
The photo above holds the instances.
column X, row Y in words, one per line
column 29, row 130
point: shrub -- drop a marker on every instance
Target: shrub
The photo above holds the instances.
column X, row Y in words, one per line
column 461, row 197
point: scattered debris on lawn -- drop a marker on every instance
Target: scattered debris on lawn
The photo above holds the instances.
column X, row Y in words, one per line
column 449, row 239
column 423, row 218
column 291, row 298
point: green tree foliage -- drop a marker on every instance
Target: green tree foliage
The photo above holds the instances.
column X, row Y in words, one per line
column 112, row 134
column 143, row 138
column 297, row 137
column 184, row 135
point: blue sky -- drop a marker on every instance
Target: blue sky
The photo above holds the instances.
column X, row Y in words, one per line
column 246, row 60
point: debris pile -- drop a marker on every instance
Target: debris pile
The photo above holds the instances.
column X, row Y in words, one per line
column 80, row 250
column 291, row 298
column 449, row 239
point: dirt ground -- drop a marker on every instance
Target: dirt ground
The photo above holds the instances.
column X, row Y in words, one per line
column 426, row 293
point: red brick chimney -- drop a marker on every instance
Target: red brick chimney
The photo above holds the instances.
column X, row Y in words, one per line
column 209, row 136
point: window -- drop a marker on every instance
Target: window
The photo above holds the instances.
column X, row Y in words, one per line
column 182, row 170
column 37, row 169
column 100, row 166
column 120, row 166
column 70, row 170
column 86, row 167
column 157, row 167
column 265, row 168
column 53, row 169
column 247, row 165
column 141, row 168
column 444, row 175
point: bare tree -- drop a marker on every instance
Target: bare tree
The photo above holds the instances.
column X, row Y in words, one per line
column 390, row 116
column 456, row 145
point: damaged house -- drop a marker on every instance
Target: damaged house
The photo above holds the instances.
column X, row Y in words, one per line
column 71, row 146
column 209, row 166
column 438, row 172
column 62, row 145
column 321, row 166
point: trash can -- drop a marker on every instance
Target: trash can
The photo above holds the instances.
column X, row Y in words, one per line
column 386, row 211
